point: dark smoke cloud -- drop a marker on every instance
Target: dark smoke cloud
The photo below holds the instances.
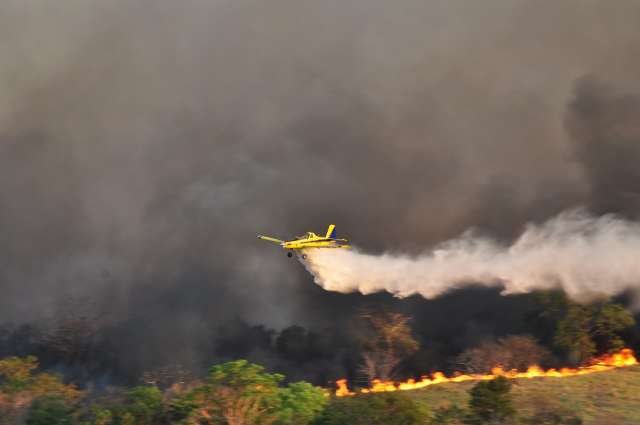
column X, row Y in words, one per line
column 144, row 144
column 603, row 121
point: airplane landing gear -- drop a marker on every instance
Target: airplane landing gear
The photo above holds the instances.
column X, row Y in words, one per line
column 304, row 256
column 289, row 254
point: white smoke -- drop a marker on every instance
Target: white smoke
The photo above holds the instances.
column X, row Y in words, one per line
column 587, row 256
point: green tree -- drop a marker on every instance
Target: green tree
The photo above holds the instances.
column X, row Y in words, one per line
column 15, row 373
column 50, row 410
column 239, row 392
column 374, row 409
column 299, row 403
column 141, row 406
column 610, row 320
column 586, row 330
column 491, row 402
column 573, row 334
column 20, row 385
column 101, row 416
column 17, row 376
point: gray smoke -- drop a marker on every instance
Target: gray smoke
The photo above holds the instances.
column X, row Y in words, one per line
column 585, row 256
column 144, row 144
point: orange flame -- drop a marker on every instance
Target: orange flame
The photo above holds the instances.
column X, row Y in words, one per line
column 343, row 390
column 623, row 358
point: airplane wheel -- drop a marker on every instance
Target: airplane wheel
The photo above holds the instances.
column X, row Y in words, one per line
column 289, row 254
column 304, row 256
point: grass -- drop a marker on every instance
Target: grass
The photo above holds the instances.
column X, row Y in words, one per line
column 611, row 397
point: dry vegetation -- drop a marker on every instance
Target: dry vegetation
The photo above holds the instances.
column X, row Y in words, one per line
column 605, row 398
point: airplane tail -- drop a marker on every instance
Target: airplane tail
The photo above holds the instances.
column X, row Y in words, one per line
column 270, row 239
column 331, row 232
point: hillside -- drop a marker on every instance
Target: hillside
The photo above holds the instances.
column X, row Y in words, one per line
column 611, row 397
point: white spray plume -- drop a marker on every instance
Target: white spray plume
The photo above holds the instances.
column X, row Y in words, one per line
column 587, row 256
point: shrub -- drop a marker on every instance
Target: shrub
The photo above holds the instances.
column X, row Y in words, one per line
column 511, row 352
column 144, row 405
column 50, row 410
column 374, row 409
column 491, row 402
column 241, row 392
column 452, row 415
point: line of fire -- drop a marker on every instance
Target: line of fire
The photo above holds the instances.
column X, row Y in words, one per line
column 623, row 358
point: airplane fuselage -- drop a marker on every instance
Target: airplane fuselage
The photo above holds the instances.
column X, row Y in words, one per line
column 310, row 240
column 315, row 243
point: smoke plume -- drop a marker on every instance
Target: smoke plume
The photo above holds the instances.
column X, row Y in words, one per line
column 144, row 144
column 585, row 256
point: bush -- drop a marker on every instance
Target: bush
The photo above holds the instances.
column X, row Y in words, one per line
column 243, row 392
column 374, row 409
column 50, row 410
column 299, row 403
column 511, row 352
column 452, row 415
column 491, row 402
column 144, row 405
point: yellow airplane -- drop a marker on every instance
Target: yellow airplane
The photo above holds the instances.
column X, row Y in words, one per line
column 310, row 240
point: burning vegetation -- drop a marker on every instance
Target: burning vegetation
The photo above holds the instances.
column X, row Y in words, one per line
column 623, row 358
column 385, row 346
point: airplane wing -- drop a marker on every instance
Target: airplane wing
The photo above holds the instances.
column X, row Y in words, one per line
column 270, row 239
